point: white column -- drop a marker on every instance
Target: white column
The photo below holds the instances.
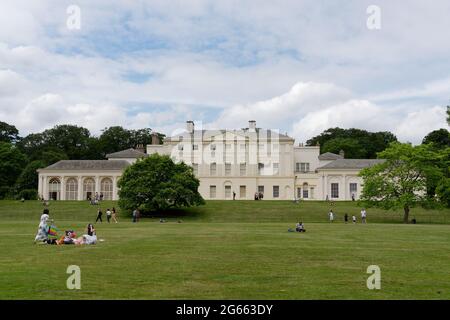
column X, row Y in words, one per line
column 325, row 189
column 80, row 188
column 40, row 191
column 97, row 185
column 345, row 186
column 45, row 187
column 114, row 197
column 62, row 195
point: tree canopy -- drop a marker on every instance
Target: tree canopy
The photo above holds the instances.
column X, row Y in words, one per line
column 440, row 138
column 8, row 133
column 356, row 143
column 157, row 183
column 401, row 181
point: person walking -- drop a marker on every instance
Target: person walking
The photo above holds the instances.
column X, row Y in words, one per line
column 331, row 215
column 135, row 213
column 99, row 216
column 108, row 215
column 114, row 215
column 363, row 215
column 234, row 195
column 346, row 218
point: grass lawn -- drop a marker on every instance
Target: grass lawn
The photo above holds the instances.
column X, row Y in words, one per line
column 228, row 250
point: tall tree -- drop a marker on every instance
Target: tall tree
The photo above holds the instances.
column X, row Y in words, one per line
column 401, row 181
column 355, row 142
column 114, row 139
column 440, row 138
column 8, row 133
column 12, row 162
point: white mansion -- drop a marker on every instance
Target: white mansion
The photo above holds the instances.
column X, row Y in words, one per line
column 228, row 163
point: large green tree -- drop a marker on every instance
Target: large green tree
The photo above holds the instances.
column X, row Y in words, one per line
column 401, row 181
column 440, row 138
column 157, row 183
column 356, row 143
column 12, row 162
column 8, row 133
column 28, row 178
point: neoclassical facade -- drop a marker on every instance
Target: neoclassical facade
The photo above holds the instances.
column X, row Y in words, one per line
column 229, row 164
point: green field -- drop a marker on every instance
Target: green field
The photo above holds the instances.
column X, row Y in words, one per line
column 228, row 250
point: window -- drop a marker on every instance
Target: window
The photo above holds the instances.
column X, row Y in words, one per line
column 243, row 169
column 243, row 147
column 242, row 192
column 195, row 168
column 276, row 191
column 261, row 189
column 212, row 147
column 227, row 147
column 276, row 167
column 212, row 192
column 260, row 168
column 106, row 188
column 305, row 191
column 72, row 189
column 180, row 147
column 302, row 167
column 89, row 188
column 353, row 188
column 213, row 169
column 228, row 169
column 54, row 189
column 299, row 193
column 335, row 190
column 195, row 147
column 312, row 193
column 227, row 192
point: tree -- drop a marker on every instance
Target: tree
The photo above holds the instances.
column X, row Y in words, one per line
column 401, row 180
column 12, row 162
column 448, row 115
column 29, row 178
column 70, row 139
column 440, row 138
column 355, row 142
column 157, row 183
column 115, row 139
column 8, row 133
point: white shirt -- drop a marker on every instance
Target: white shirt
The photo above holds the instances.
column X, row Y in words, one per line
column 331, row 215
column 363, row 213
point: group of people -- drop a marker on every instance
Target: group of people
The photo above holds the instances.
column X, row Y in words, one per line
column 346, row 216
column 110, row 215
column 95, row 199
column 47, row 233
column 259, row 195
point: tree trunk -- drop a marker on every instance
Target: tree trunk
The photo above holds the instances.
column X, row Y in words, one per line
column 406, row 215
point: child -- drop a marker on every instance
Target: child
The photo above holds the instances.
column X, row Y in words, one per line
column 331, row 215
column 346, row 218
column 299, row 227
column 354, row 219
column 108, row 215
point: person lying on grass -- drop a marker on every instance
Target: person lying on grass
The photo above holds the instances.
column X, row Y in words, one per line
column 89, row 238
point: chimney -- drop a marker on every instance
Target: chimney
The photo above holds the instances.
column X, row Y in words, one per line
column 252, row 125
column 342, row 154
column 155, row 138
column 140, row 148
column 190, row 126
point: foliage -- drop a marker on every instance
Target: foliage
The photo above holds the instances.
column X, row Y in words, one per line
column 28, row 179
column 8, row 133
column 401, row 180
column 440, row 138
column 157, row 183
column 28, row 194
column 12, row 162
column 356, row 143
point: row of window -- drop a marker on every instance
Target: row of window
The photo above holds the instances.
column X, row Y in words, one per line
column 335, row 190
column 71, row 192
column 242, row 169
column 228, row 147
column 242, row 192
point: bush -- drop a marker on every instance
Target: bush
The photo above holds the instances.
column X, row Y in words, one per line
column 6, row 192
column 28, row 194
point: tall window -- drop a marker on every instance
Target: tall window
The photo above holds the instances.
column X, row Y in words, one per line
column 106, row 188
column 212, row 147
column 261, row 189
column 276, row 191
column 335, row 190
column 242, row 192
column 276, row 168
column 89, row 188
column 227, row 192
column 72, row 189
column 260, row 168
column 195, row 147
column 213, row 169
column 212, row 192
column 302, row 167
column 54, row 189
column 305, row 191
column 228, row 169
column 299, row 193
column 243, row 169
column 353, row 188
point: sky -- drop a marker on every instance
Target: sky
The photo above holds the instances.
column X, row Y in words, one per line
column 299, row 67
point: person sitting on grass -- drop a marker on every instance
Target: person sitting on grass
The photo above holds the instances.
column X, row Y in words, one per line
column 300, row 227
column 42, row 234
column 89, row 238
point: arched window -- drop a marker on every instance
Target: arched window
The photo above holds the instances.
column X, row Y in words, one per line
column 54, row 189
column 305, row 191
column 72, row 189
column 89, row 188
column 106, row 189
